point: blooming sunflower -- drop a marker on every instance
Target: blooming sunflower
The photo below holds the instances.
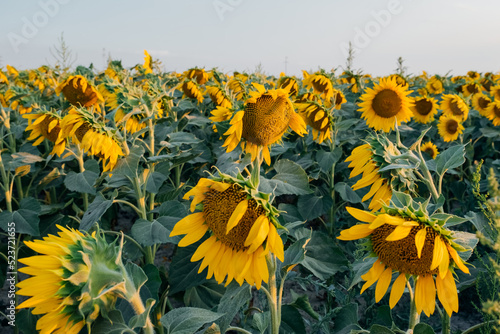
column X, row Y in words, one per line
column 495, row 92
column 411, row 243
column 473, row 75
column 480, row 102
column 449, row 127
column 219, row 97
column 320, row 84
column 424, row 109
column 493, row 112
column 430, row 149
column 191, row 89
column 79, row 92
column 46, row 125
column 69, row 280
column 197, row 74
column 318, row 118
column 3, row 78
column 385, row 104
column 266, row 117
column 470, row 88
column 131, row 122
column 435, row 85
column 241, row 224
column 452, row 104
column 290, row 83
column 148, row 62
column 93, row 137
column 238, row 87
column 337, row 100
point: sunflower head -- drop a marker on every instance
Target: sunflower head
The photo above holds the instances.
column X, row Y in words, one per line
column 191, row 89
column 267, row 115
column 424, row 109
column 385, row 104
column 470, row 88
column 430, row 149
column 290, row 83
column 435, row 85
column 318, row 118
column 148, row 63
column 404, row 238
column 75, row 278
column 480, row 102
column 198, row 74
column 79, row 92
column 46, row 125
column 219, row 97
column 450, row 127
column 241, row 225
column 321, row 84
column 454, row 105
column 493, row 112
column 473, row 75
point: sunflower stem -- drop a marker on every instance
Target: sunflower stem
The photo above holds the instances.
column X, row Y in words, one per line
column 5, row 186
column 81, row 164
column 428, row 180
column 414, row 315
column 255, row 175
column 445, row 323
column 272, row 295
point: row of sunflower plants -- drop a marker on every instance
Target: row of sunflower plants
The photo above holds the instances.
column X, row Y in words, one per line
column 201, row 202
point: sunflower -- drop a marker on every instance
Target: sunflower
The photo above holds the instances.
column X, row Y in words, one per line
column 413, row 244
column 337, row 100
column 219, row 97
column 320, row 84
column 385, row 104
column 46, row 125
column 449, row 127
column 69, row 281
column 148, row 62
column 306, row 97
column 79, row 92
column 238, row 87
column 493, row 112
column 470, row 88
column 452, row 104
column 435, row 85
column 266, row 117
column 430, row 149
column 318, row 118
column 362, row 161
column 424, row 109
column 131, row 122
column 93, row 137
column 480, row 102
column 495, row 92
column 197, row 74
column 241, row 225
column 290, row 83
column 191, row 89
column 3, row 78
column 473, row 75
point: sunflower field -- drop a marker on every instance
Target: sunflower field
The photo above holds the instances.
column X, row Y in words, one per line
column 138, row 201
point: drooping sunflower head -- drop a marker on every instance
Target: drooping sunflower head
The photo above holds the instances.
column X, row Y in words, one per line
column 337, row 100
column 267, row 115
column 435, row 85
column 219, row 97
column 495, row 92
column 191, row 89
column 46, row 125
column 470, row 88
column 241, row 224
column 454, row 105
column 473, row 75
column 369, row 160
column 71, row 281
column 480, row 102
column 198, row 74
column 424, row 109
column 493, row 112
column 385, row 104
column 93, row 136
column 411, row 242
column 450, row 127
column 290, row 83
column 318, row 118
column 131, row 121
column 430, row 149
column 79, row 92
column 321, row 84
column 238, row 87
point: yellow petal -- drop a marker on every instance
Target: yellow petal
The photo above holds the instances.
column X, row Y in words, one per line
column 398, row 287
column 420, row 240
column 400, row 232
column 447, row 293
column 361, row 215
column 355, row 232
column 383, row 284
column 237, row 214
column 187, row 224
column 259, row 233
column 456, row 258
column 438, row 253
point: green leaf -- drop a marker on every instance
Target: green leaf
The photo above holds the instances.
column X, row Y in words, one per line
column 233, row 300
column 137, row 274
column 312, row 206
column 291, row 320
column 154, row 280
column 183, row 272
column 95, row 211
column 291, row 179
column 296, row 253
column 149, row 233
column 361, row 267
column 346, row 318
column 25, row 219
column 324, row 258
column 401, row 199
column 482, row 224
column 466, row 240
column 422, row 328
column 206, row 295
column 302, row 303
column 155, row 181
column 177, row 139
column 379, row 329
column 347, row 193
column 261, row 321
column 128, row 165
column 187, row 320
column 383, row 316
column 451, row 158
column 115, row 324
column 327, row 159
column 81, row 182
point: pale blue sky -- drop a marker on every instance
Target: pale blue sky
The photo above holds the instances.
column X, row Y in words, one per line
column 431, row 35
